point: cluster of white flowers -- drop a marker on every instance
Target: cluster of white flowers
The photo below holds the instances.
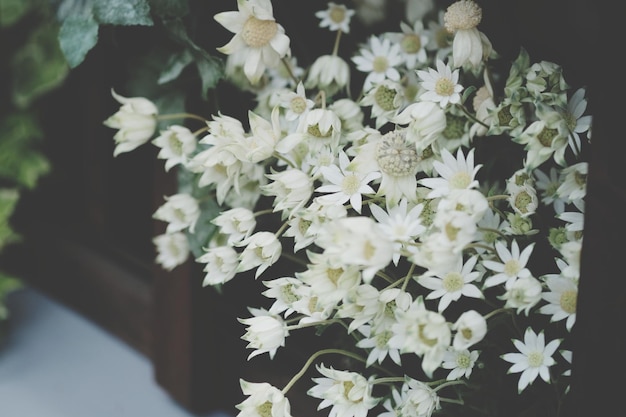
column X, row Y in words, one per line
column 408, row 236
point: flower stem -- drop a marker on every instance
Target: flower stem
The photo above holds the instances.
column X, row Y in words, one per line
column 388, row 379
column 310, row 361
column 448, row 384
column 287, row 65
column 336, row 45
column 181, row 116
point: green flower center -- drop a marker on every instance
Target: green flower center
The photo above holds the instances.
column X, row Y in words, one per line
column 175, row 145
column 453, row 282
column 380, row 64
column 522, row 200
column 580, row 178
column 460, row 180
column 288, row 294
column 455, row 127
column 505, row 116
column 463, row 361
column 535, row 359
column 337, row 14
column 334, row 274
column 265, row 409
column 411, row 43
column 385, row 97
column 546, row 136
column 257, row 33
column 314, row 130
column 350, row 184
column 568, row 301
column 511, row 267
column 303, row 226
column 347, row 387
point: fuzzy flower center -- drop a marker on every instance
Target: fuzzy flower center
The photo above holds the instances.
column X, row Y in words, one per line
column 257, row 33
column 396, row 156
column 455, row 127
column 522, row 200
column 337, row 14
column 444, row 87
column 176, row 145
column 568, row 301
column 334, row 274
column 265, row 409
column 411, row 43
column 314, row 130
column 453, row 282
column 298, row 105
column 380, row 64
column 463, row 361
column 350, row 184
column 460, row 180
column 462, row 15
column 511, row 267
column 535, row 359
column 385, row 97
column 546, row 136
column 288, row 294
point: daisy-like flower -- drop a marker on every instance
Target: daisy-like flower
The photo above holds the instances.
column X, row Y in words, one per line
column 522, row 294
column 291, row 189
column 345, row 185
column 385, row 98
column 401, row 223
column 135, row 120
column 413, row 41
column 264, row 400
column 236, row 223
column 450, row 285
column 379, row 59
column 177, row 143
column 469, row 46
column 284, row 292
column 561, row 298
column 335, row 17
column 455, row 173
column 221, row 264
column 548, row 185
column 172, row 249
column 416, row 399
column 257, row 33
column 261, row 250
column 375, row 341
column 461, row 363
column 181, row 211
column 348, row 393
column 577, row 123
column 441, row 85
column 296, row 103
column 574, row 185
column 265, row 332
column 534, row 358
column 512, row 264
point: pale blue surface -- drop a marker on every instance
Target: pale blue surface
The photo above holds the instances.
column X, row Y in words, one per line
column 55, row 363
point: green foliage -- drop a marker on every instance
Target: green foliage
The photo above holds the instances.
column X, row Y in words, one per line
column 122, row 12
column 78, row 35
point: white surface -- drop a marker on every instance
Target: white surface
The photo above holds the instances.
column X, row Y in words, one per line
column 55, row 363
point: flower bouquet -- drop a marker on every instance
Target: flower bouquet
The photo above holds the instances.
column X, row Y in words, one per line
column 428, row 195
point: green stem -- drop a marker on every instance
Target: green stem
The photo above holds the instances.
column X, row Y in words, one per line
column 388, row 379
column 494, row 312
column 181, row 116
column 408, row 277
column 287, row 65
column 201, row 130
column 448, row 384
column 312, row 358
column 336, row 45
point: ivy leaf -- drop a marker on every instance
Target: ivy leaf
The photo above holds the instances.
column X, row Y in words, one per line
column 123, row 12
column 175, row 65
column 19, row 161
column 77, row 36
column 170, row 8
column 38, row 66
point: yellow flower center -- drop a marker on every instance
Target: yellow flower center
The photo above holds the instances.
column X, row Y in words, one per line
column 460, row 180
column 395, row 156
column 463, row 361
column 522, row 200
column 380, row 64
column 265, row 409
column 511, row 267
column 568, row 301
column 444, row 87
column 176, row 145
column 298, row 105
column 334, row 274
column 535, row 359
column 411, row 43
column 452, row 282
column 350, row 184
column 337, row 14
column 257, row 33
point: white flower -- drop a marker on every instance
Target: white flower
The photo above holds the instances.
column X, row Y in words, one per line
column 416, row 399
column 260, row 143
column 257, row 34
column 330, row 73
column 336, row 17
column 265, row 332
column 534, row 359
column 181, row 211
column 385, row 98
column 522, row 294
column 375, row 341
column 456, row 174
column 412, row 41
column 426, row 122
column 345, row 185
column 450, row 285
column 548, row 184
column 357, row 241
column 261, row 250
column 442, row 86
column 296, row 103
column 574, row 185
column 329, row 281
column 379, row 59
column 461, row 362
column 136, row 121
column 399, row 222
column 291, row 188
column 523, row 199
column 561, row 297
column 172, row 249
column 264, row 400
column 577, row 123
column 512, row 264
column 177, row 143
column 221, row 264
column 470, row 328
column 237, row 223
column 284, row 291
column 348, row 393
column 469, row 46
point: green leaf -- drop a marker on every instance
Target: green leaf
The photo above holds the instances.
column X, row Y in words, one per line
column 38, row 66
column 77, row 36
column 170, row 8
column 123, row 12
column 11, row 11
column 8, row 201
column 175, row 65
column 20, row 162
column 210, row 70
